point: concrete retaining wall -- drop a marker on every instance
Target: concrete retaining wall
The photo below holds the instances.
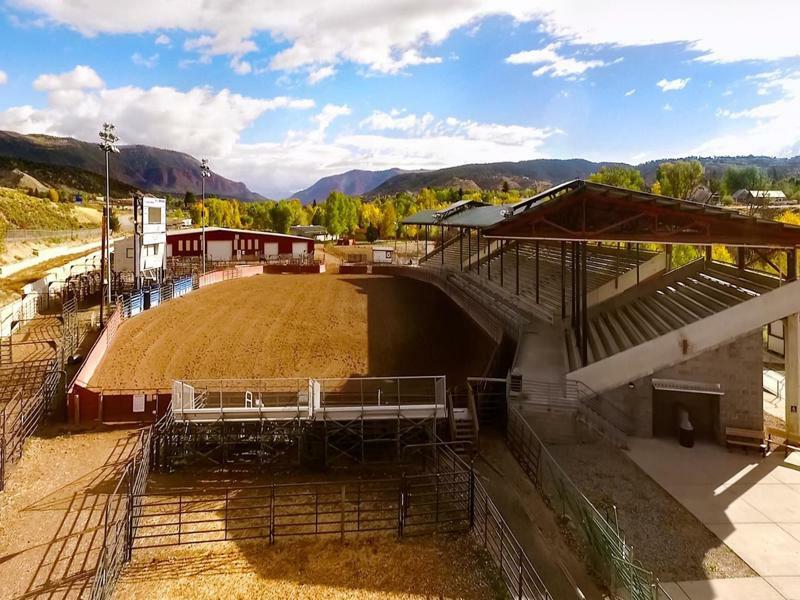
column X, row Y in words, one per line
column 481, row 315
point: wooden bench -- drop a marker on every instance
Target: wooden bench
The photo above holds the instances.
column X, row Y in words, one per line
column 746, row 438
column 781, row 437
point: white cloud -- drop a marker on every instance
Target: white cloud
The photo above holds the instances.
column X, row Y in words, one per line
column 162, row 40
column 198, row 121
column 671, row 85
column 329, row 113
column 205, row 122
column 80, row 78
column 141, row 61
column 667, row 107
column 554, row 63
column 630, row 92
column 771, row 128
column 397, row 120
column 240, row 67
column 387, row 38
column 317, row 75
column 3, row 77
column 279, row 168
column 427, row 126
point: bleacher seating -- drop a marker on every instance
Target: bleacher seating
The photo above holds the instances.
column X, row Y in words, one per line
column 686, row 295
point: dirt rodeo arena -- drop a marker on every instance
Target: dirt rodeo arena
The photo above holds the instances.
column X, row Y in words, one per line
column 493, row 418
column 256, row 435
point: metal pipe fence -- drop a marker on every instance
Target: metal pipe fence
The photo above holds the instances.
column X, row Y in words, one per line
column 494, row 535
column 120, row 518
column 25, row 235
column 21, row 416
column 409, row 505
column 603, row 542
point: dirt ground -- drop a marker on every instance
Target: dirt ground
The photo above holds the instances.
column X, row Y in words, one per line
column 380, row 568
column 297, row 326
column 50, row 511
column 665, row 536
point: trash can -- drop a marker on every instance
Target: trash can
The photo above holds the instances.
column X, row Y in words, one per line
column 685, row 428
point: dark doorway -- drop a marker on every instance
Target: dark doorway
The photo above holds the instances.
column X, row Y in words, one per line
column 703, row 413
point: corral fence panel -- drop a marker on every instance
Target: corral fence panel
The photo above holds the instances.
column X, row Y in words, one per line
column 22, row 415
column 447, row 498
column 410, row 505
column 603, row 542
column 120, row 518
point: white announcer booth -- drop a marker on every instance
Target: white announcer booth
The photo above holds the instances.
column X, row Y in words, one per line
column 150, row 219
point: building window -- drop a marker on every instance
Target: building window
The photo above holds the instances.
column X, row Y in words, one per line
column 128, row 252
column 196, row 245
column 180, row 245
column 153, row 215
column 249, row 244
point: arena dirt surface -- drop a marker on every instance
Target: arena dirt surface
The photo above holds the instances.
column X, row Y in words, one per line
column 51, row 511
column 378, row 567
column 297, row 326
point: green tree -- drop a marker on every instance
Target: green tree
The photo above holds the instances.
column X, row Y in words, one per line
column 743, row 178
column 188, row 199
column 389, row 221
column 281, row 217
column 679, row 179
column 113, row 222
column 623, row 177
column 53, row 195
column 372, row 233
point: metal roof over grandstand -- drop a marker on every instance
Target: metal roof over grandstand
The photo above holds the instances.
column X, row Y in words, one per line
column 440, row 216
column 587, row 211
column 468, row 213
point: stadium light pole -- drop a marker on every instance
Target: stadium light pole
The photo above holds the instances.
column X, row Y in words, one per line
column 108, row 140
column 204, row 172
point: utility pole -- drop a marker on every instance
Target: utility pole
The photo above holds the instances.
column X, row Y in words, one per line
column 108, row 140
column 204, row 172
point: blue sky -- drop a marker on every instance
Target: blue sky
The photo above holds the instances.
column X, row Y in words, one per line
column 278, row 96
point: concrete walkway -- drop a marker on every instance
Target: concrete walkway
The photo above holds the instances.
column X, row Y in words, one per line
column 540, row 354
column 750, row 503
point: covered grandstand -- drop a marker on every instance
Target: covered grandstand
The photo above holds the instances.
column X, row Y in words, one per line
column 583, row 277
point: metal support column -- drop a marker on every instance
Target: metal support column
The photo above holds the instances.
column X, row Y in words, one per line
column 469, row 249
column 441, row 241
column 460, row 248
column 479, row 252
column 489, row 260
column 516, row 265
column 537, row 271
column 584, row 309
column 563, row 280
column 637, row 264
column 502, row 269
column 791, row 264
column 573, row 305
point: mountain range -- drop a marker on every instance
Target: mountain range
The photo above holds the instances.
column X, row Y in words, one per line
column 77, row 165
column 353, row 183
column 144, row 168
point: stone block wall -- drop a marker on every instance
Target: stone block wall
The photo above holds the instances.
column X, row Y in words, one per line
column 736, row 366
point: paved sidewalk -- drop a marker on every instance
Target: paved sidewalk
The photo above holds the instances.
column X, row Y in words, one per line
column 751, row 503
